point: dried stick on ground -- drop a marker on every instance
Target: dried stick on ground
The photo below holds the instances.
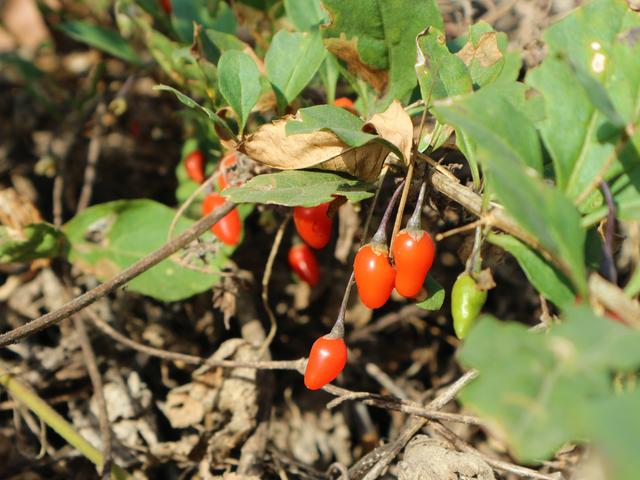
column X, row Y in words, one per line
column 96, row 381
column 119, row 280
column 93, row 155
column 374, row 463
column 191, row 359
column 266, row 277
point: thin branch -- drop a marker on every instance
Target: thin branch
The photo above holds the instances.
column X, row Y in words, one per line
column 96, row 381
column 390, row 403
column 175, row 357
column 266, row 277
column 93, row 155
column 119, row 280
column 375, row 462
column 403, row 201
column 174, row 221
column 457, row 230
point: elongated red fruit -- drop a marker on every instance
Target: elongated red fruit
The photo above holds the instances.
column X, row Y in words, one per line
column 413, row 253
column 303, row 262
column 313, row 224
column 194, row 165
column 327, row 359
column 344, row 102
column 374, row 275
column 229, row 228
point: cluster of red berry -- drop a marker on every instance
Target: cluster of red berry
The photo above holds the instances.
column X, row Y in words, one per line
column 413, row 253
column 376, row 277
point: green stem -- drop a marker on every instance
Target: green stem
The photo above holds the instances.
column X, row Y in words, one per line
column 54, row 420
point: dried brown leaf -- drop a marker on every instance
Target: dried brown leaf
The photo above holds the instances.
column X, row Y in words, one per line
column 486, row 52
column 271, row 146
column 394, row 125
column 347, row 50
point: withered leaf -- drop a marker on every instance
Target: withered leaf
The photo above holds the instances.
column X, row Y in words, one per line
column 486, row 52
column 323, row 149
column 347, row 51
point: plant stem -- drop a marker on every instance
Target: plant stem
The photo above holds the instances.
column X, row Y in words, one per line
column 52, row 418
column 338, row 328
column 381, row 234
column 415, row 222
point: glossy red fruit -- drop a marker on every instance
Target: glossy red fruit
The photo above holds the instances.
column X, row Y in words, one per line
column 194, row 165
column 313, row 224
column 343, row 102
column 303, row 262
column 374, row 275
column 226, row 164
column 166, row 6
column 413, row 253
column 327, row 359
column 229, row 228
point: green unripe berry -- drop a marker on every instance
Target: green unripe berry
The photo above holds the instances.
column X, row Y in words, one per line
column 466, row 302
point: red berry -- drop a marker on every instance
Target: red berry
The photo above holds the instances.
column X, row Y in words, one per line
column 343, row 102
column 375, row 277
column 166, row 6
column 226, row 164
column 194, row 165
column 327, row 359
column 413, row 252
column 303, row 261
column 229, row 228
column 313, row 224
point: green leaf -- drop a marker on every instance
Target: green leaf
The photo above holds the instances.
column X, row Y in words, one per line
column 292, row 60
column 436, row 296
column 239, row 83
column 510, row 129
column 377, row 38
column 591, row 81
column 186, row 13
column 191, row 103
column 107, row 238
column 535, row 387
column 37, row 240
column 546, row 278
column 441, row 74
column 102, row 38
column 615, row 425
column 215, row 42
column 294, row 188
column 507, row 148
column 598, row 96
column 306, row 15
column 329, row 73
column 341, row 122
